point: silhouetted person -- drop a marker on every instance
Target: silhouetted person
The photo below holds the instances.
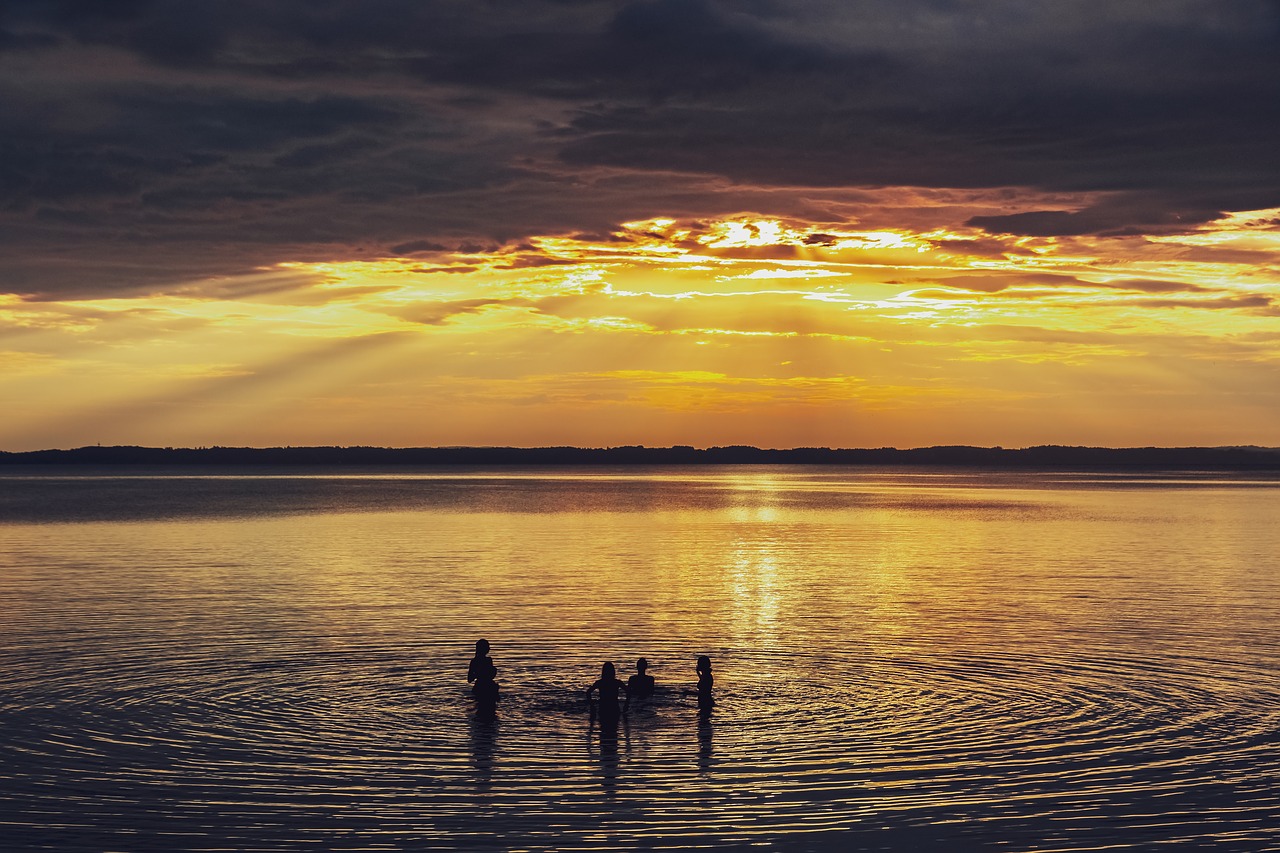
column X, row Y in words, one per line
column 486, row 692
column 481, row 663
column 705, row 682
column 640, row 685
column 608, row 685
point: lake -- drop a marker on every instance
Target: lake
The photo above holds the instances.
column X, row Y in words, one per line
column 904, row 659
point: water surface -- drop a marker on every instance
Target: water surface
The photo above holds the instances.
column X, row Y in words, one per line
column 979, row 660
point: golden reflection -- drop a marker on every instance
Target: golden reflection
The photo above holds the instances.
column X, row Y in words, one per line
column 757, row 513
column 753, row 581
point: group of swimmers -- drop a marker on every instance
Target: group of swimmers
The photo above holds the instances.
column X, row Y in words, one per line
column 483, row 675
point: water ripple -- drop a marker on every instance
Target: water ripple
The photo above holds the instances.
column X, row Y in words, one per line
column 298, row 682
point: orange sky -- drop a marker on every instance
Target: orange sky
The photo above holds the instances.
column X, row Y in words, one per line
column 607, row 222
column 751, row 329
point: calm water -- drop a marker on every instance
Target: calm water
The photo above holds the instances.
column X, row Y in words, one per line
column 938, row 660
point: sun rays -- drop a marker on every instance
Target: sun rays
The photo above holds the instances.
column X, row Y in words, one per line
column 688, row 322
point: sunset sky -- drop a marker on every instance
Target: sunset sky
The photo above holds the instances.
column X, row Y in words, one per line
column 594, row 222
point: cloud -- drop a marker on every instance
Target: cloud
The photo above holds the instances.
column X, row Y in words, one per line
column 1127, row 213
column 1260, row 303
column 414, row 247
column 997, row 282
column 151, row 142
column 994, row 283
column 1147, row 285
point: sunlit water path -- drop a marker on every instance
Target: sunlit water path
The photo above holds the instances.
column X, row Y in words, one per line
column 1051, row 662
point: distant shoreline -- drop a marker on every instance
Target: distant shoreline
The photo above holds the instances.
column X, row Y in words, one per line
column 1045, row 457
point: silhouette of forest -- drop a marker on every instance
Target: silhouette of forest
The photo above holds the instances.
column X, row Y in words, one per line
column 1046, row 457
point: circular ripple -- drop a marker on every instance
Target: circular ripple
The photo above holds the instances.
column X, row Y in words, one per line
column 372, row 740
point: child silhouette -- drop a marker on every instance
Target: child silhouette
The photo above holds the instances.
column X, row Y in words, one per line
column 705, row 682
column 640, row 685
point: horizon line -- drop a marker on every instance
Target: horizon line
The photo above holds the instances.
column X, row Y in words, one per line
column 646, row 447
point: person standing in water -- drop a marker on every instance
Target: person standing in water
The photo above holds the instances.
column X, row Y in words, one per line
column 705, row 682
column 481, row 664
column 640, row 685
column 484, row 676
column 486, row 693
column 608, row 685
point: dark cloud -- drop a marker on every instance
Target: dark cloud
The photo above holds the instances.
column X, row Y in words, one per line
column 167, row 146
column 1135, row 212
column 1254, row 302
column 457, row 269
column 1147, row 285
column 148, row 142
column 25, row 41
column 997, row 282
column 413, row 247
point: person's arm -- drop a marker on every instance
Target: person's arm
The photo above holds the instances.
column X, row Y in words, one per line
column 592, row 689
column 471, row 671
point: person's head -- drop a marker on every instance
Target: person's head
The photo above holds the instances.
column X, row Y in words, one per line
column 642, row 665
column 704, row 663
column 607, row 671
column 482, row 647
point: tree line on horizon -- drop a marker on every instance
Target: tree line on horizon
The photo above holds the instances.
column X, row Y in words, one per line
column 1050, row 457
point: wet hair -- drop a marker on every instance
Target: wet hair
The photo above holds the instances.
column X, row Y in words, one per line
column 607, row 671
column 482, row 646
column 642, row 665
column 704, row 663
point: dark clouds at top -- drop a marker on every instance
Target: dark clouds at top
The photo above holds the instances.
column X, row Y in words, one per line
column 147, row 142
